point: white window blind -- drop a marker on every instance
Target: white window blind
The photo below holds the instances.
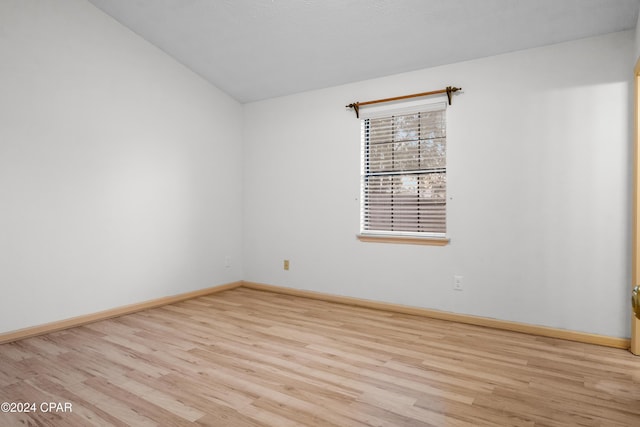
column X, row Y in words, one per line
column 404, row 174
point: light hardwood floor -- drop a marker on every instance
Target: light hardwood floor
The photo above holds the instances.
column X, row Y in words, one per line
column 249, row 358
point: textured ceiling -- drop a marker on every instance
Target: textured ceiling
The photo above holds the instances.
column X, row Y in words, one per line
column 258, row 49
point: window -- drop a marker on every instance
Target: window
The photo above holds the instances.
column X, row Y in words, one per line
column 404, row 174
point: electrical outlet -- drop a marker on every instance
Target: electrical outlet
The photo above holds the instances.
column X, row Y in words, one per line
column 457, row 283
column 286, row 264
column 227, row 261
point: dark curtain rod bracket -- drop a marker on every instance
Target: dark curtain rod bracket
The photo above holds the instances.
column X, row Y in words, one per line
column 449, row 90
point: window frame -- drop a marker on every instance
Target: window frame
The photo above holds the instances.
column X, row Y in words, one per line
column 395, row 236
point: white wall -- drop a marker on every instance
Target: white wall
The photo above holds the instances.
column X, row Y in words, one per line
column 637, row 40
column 539, row 183
column 120, row 170
column 121, row 180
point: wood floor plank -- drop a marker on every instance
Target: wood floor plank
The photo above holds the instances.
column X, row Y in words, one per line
column 251, row 358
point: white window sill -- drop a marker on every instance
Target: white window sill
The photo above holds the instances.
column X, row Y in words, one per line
column 432, row 241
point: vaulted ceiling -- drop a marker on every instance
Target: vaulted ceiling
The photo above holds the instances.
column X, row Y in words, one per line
column 258, row 49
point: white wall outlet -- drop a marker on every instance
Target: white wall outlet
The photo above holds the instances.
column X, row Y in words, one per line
column 457, row 283
column 227, row 261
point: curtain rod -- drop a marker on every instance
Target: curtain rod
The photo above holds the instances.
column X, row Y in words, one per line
column 449, row 90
